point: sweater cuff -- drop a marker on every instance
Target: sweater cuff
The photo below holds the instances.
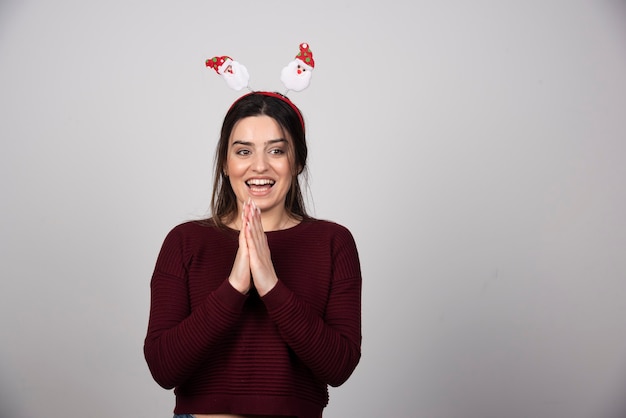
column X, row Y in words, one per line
column 276, row 297
column 230, row 297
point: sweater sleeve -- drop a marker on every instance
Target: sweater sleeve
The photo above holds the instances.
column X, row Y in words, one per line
column 330, row 345
column 177, row 339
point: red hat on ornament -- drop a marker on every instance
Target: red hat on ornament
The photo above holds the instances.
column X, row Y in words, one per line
column 306, row 56
column 219, row 64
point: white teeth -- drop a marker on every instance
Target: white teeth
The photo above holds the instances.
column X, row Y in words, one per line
column 259, row 182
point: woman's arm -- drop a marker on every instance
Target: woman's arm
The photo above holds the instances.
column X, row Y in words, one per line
column 177, row 339
column 330, row 345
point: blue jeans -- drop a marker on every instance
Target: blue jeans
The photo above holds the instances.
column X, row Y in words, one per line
column 183, row 416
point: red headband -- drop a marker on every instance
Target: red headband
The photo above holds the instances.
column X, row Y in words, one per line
column 278, row 96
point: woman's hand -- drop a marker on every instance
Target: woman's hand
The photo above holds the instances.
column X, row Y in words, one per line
column 260, row 258
column 240, row 277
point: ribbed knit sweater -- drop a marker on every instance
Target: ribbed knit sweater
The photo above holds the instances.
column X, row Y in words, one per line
column 225, row 352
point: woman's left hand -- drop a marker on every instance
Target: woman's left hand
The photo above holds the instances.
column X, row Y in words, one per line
column 261, row 267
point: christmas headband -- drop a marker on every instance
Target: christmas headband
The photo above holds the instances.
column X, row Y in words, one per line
column 278, row 96
column 295, row 76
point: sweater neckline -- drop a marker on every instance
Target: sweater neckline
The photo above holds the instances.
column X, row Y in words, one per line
column 294, row 228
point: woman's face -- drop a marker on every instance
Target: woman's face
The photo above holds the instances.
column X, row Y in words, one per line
column 258, row 163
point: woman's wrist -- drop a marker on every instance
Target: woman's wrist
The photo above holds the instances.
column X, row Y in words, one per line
column 238, row 286
column 266, row 289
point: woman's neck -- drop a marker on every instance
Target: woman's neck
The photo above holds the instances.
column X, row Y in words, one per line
column 271, row 220
column 277, row 221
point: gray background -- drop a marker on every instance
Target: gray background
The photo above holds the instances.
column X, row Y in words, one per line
column 475, row 149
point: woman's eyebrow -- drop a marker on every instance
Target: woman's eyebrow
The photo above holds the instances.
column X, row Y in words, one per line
column 242, row 142
column 249, row 143
column 275, row 141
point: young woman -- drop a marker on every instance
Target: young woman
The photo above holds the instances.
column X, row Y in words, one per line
column 257, row 309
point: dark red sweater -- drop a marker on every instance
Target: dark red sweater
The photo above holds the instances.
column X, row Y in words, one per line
column 225, row 352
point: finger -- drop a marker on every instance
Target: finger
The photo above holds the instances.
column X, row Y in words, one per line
column 245, row 212
column 244, row 223
column 256, row 233
column 251, row 234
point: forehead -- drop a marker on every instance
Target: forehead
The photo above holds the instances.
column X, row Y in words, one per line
column 258, row 129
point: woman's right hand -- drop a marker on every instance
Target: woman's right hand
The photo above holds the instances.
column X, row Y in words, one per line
column 240, row 277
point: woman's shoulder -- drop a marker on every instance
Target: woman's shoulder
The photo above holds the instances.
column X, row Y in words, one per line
column 198, row 228
column 194, row 225
column 334, row 235
column 326, row 226
column 324, row 223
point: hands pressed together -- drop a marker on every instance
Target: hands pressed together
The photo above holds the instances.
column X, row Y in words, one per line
column 253, row 263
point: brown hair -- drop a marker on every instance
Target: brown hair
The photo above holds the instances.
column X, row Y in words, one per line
column 289, row 118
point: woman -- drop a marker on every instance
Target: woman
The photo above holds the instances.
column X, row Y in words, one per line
column 257, row 309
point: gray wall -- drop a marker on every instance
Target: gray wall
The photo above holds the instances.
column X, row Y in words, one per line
column 475, row 149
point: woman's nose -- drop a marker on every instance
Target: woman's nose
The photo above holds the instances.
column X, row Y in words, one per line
column 260, row 163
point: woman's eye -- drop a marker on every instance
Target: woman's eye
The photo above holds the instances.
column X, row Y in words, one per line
column 277, row 151
column 243, row 152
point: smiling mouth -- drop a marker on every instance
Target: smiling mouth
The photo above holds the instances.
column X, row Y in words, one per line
column 260, row 184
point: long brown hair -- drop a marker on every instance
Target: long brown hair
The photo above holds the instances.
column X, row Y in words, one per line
column 289, row 118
